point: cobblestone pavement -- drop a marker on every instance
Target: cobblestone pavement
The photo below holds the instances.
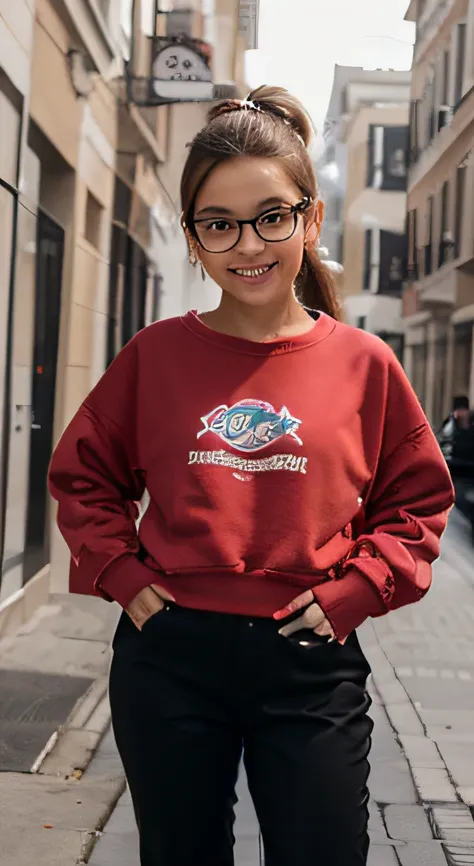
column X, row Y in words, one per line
column 422, row 779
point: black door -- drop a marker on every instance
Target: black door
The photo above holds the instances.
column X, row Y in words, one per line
column 49, row 265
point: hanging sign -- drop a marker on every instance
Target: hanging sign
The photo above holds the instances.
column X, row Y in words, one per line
column 181, row 70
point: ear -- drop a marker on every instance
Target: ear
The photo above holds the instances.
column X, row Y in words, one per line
column 313, row 229
column 192, row 247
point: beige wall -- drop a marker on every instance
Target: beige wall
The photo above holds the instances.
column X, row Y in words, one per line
column 16, row 33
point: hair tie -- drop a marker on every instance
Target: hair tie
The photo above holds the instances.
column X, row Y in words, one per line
column 250, row 105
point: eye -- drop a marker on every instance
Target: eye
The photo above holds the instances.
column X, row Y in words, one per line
column 218, row 226
column 273, row 218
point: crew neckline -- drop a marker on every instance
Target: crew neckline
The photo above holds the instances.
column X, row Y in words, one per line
column 322, row 328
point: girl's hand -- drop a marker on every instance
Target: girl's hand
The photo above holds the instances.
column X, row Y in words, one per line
column 313, row 617
column 149, row 601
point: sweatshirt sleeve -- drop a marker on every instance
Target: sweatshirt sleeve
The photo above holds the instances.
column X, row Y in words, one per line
column 406, row 513
column 95, row 477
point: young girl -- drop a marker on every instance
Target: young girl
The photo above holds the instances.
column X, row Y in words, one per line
column 295, row 489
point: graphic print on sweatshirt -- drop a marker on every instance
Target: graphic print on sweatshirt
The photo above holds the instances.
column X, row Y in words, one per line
column 250, row 426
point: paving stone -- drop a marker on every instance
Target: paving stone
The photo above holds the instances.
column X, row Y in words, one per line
column 422, row 854
column 404, row 720
column 434, row 785
column 376, row 822
column 466, row 794
column 455, row 824
column 459, row 761
column 383, row 855
column 408, row 823
column 73, row 751
column 391, row 782
column 114, row 849
column 421, row 752
column 459, row 856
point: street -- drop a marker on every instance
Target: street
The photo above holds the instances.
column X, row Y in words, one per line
column 422, row 780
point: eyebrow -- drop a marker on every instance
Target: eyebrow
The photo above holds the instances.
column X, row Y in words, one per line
column 274, row 201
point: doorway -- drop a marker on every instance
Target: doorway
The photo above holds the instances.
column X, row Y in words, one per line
column 49, row 266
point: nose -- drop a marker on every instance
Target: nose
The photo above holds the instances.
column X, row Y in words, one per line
column 250, row 243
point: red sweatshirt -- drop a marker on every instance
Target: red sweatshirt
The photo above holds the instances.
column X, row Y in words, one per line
column 271, row 468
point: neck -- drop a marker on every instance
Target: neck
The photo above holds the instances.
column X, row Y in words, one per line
column 286, row 318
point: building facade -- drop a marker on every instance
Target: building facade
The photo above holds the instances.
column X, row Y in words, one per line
column 439, row 295
column 363, row 179
column 90, row 244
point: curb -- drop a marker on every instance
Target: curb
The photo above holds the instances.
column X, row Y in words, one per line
column 72, row 746
column 94, row 835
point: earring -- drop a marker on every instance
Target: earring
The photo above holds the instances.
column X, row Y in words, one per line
column 203, row 273
column 193, row 256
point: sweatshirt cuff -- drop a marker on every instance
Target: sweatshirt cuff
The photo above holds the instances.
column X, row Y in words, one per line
column 348, row 602
column 124, row 578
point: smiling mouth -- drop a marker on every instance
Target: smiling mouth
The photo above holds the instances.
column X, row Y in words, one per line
column 253, row 272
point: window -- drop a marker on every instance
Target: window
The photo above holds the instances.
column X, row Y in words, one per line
column 429, row 236
column 412, row 270
column 431, row 106
column 414, row 143
column 93, row 221
column 387, row 157
column 445, row 88
column 375, row 157
column 180, row 22
column 372, row 254
column 392, row 255
column 459, row 208
column 460, row 61
column 395, row 147
column 444, row 109
column 443, row 247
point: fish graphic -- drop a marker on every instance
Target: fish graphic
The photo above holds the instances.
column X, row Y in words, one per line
column 250, row 425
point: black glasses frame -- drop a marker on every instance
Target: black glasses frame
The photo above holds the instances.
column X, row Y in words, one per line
column 296, row 209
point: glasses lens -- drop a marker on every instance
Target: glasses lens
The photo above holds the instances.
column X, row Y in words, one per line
column 217, row 236
column 276, row 226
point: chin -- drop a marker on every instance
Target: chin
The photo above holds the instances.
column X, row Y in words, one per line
column 257, row 296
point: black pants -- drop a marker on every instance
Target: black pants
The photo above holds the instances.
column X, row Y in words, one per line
column 194, row 691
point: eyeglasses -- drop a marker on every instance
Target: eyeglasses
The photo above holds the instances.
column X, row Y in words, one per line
column 221, row 234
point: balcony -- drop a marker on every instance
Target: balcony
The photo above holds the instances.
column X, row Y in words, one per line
column 443, row 140
column 87, row 21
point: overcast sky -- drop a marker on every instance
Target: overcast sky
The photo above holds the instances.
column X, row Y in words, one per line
column 301, row 40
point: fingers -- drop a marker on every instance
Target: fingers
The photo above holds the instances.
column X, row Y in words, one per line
column 292, row 627
column 324, row 629
column 144, row 605
column 295, row 605
column 312, row 618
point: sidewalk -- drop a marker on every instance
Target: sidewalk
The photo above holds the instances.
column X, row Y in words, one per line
column 53, row 714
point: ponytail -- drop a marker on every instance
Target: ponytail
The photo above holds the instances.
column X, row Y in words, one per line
column 316, row 288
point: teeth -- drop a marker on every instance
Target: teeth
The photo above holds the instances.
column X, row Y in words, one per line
column 255, row 272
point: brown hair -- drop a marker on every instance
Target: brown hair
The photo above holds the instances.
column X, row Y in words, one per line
column 273, row 124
